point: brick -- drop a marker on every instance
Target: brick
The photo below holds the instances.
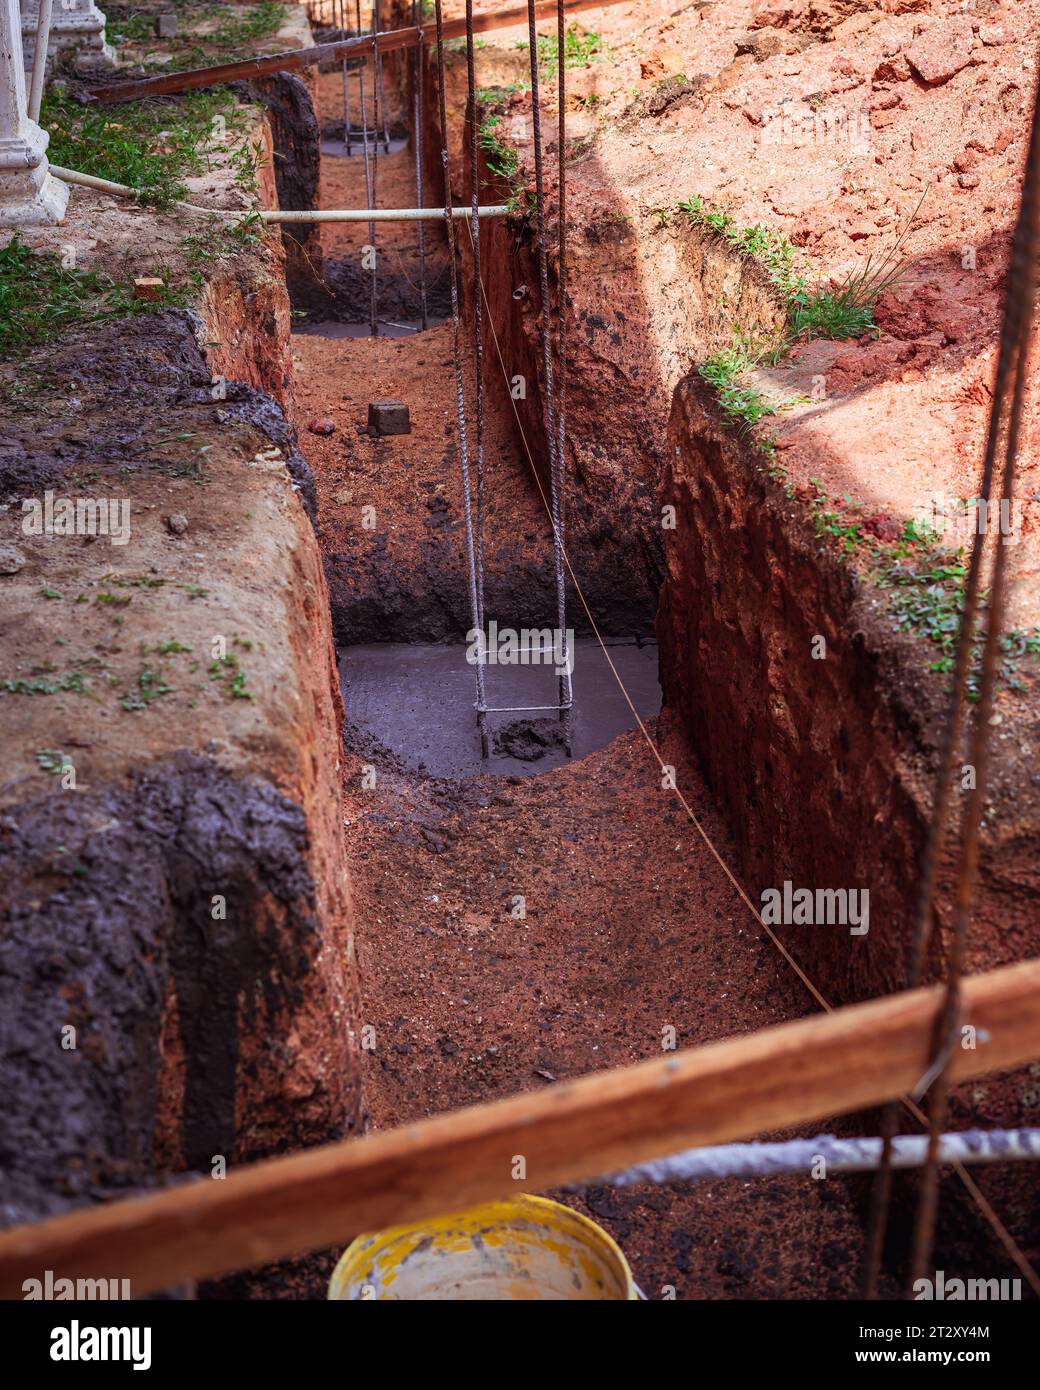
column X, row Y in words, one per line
column 388, row 417
column 148, row 287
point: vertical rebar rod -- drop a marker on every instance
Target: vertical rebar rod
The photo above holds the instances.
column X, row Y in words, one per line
column 419, row 59
column 342, row 16
column 381, row 99
column 478, row 316
column 369, row 191
column 460, row 399
column 551, row 424
column 561, row 335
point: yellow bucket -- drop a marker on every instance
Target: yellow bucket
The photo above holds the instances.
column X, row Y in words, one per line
column 527, row 1248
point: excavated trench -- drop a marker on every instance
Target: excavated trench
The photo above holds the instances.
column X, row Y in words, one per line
column 513, row 924
column 627, row 927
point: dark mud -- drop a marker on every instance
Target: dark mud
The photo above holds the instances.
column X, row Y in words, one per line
column 109, row 387
column 108, row 911
column 296, row 142
column 107, row 894
column 529, row 740
column 343, row 293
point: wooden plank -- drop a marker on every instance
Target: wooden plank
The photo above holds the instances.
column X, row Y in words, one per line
column 808, row 1070
column 346, row 48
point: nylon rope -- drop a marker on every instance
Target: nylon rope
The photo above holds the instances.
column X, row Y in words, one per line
column 1000, row 1230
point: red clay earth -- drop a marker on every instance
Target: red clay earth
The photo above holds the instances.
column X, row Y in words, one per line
column 196, row 776
column 631, row 925
column 824, row 770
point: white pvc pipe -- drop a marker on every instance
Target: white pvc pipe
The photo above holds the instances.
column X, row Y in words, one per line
column 383, row 214
column 328, row 215
column 124, row 191
column 43, row 38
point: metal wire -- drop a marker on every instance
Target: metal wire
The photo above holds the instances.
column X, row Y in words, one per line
column 478, row 316
column 369, row 198
column 376, row 65
column 561, row 325
column 419, row 60
column 460, row 400
column 342, row 17
column 551, row 422
column 380, row 97
column 522, row 709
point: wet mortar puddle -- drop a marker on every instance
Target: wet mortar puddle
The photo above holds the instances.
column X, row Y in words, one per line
column 333, row 328
column 417, row 700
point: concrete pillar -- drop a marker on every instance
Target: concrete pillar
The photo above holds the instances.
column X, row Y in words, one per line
column 29, row 194
column 75, row 24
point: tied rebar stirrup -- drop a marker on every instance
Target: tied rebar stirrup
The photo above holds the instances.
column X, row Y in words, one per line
column 476, row 598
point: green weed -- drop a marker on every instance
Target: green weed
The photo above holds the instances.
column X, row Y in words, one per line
column 151, row 145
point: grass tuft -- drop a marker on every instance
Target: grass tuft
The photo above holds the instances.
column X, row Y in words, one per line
column 580, row 48
column 152, row 145
column 40, row 298
column 844, row 312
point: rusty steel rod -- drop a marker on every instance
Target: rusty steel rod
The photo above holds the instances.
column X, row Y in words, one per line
column 307, row 57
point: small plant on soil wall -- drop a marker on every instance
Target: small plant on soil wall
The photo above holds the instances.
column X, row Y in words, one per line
column 503, row 161
column 847, row 310
column 724, row 372
column 773, row 252
column 580, row 48
column 925, row 588
column 925, row 583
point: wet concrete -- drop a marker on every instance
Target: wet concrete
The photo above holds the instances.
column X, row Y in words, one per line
column 337, row 148
column 388, row 328
column 416, row 701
